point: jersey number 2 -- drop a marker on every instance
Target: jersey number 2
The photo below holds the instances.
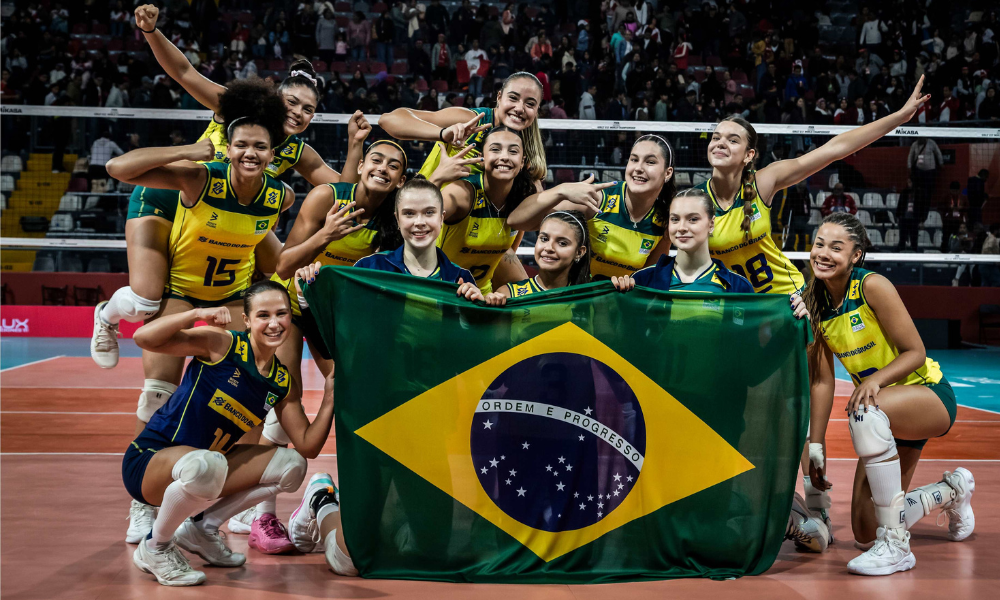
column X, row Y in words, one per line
column 757, row 271
column 224, row 267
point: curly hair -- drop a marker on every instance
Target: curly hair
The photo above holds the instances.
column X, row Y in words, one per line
column 253, row 102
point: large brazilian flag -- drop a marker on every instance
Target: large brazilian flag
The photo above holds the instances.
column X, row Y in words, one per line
column 580, row 435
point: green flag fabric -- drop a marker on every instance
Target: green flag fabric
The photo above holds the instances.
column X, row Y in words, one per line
column 575, row 436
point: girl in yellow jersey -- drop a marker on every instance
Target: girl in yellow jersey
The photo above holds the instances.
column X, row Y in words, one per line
column 901, row 398
column 462, row 129
column 476, row 235
column 627, row 219
column 742, row 238
column 225, row 211
column 151, row 211
column 561, row 255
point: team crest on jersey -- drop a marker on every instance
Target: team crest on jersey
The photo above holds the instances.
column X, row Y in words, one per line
column 281, row 377
column 261, row 227
column 474, row 233
column 270, row 400
column 219, row 155
column 213, row 220
column 646, row 247
column 290, row 150
column 658, row 219
column 755, row 214
column 855, row 292
column 272, row 199
column 613, row 203
column 217, row 188
column 856, row 323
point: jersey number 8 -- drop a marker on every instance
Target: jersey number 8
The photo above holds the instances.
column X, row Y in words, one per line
column 757, row 272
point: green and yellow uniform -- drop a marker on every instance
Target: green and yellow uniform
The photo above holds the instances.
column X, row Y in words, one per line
column 344, row 252
column 525, row 287
column 149, row 202
column 434, row 158
column 707, row 282
column 479, row 241
column 856, row 337
column 756, row 256
column 619, row 245
column 211, row 248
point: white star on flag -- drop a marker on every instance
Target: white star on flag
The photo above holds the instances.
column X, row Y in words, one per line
column 548, row 468
column 599, row 514
column 576, row 494
column 629, row 478
column 569, row 467
column 562, row 459
column 555, row 473
column 502, row 457
column 616, row 492
column 621, row 485
column 590, row 498
column 560, row 486
column 618, row 477
column 600, row 505
column 483, row 470
column 520, row 491
column 513, row 472
column 508, row 482
column 608, row 496
column 583, row 506
column 494, row 462
column 525, row 445
column 487, row 424
column 581, row 438
column 588, row 411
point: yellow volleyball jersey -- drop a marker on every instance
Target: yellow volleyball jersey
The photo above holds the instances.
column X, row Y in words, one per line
column 286, row 155
column 343, row 252
column 476, row 141
column 756, row 256
column 524, row 287
column 212, row 243
column 620, row 246
column 479, row 241
column 855, row 335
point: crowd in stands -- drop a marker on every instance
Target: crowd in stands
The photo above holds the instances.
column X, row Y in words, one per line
column 777, row 62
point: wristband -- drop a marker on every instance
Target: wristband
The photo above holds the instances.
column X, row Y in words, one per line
column 153, row 30
column 441, row 135
column 816, row 455
column 302, row 301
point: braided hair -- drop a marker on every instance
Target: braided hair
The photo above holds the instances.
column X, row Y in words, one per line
column 857, row 233
column 748, row 176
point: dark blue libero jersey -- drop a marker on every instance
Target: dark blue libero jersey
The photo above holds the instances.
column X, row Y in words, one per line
column 218, row 402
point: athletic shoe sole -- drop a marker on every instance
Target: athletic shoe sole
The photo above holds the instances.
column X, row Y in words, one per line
column 142, row 566
column 94, row 354
column 971, row 520
column 197, row 549
column 908, row 562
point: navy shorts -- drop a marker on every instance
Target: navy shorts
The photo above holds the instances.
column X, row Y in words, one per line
column 134, row 468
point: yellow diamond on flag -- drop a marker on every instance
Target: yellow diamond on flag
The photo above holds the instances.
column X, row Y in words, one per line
column 430, row 435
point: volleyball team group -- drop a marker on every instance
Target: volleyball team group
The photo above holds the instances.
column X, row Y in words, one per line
column 212, row 440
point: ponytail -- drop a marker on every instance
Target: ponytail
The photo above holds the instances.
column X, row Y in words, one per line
column 749, row 175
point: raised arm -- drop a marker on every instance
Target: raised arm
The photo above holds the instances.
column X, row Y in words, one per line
column 584, row 196
column 308, row 438
column 314, row 169
column 174, row 62
column 176, row 334
column 319, row 223
column 165, row 168
column 786, row 173
column 410, row 124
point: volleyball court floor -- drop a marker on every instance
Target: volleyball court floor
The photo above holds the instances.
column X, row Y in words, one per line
column 64, row 424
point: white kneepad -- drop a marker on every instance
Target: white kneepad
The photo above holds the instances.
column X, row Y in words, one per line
column 132, row 307
column 155, row 394
column 871, row 435
column 273, row 430
column 202, row 473
column 287, row 469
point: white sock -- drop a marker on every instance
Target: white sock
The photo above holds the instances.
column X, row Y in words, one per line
column 269, row 506
column 925, row 499
column 325, row 511
column 126, row 305
column 177, row 505
column 885, row 480
column 221, row 511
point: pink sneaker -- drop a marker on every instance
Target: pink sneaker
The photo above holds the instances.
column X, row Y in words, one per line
column 268, row 536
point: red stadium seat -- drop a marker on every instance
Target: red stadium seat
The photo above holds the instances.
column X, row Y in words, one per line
column 699, row 75
column 531, row 11
column 360, row 66
column 422, row 85
column 377, row 67
column 379, row 7
column 115, row 45
column 320, row 66
column 694, row 60
column 79, row 28
column 343, row 7
column 565, row 176
column 73, row 46
column 99, row 29
column 338, row 67
column 494, row 11
column 134, row 45
column 713, row 61
column 94, row 44
column 343, row 22
column 739, row 76
column 400, row 67
column 400, row 51
column 78, row 184
column 261, row 64
column 275, row 65
column 245, row 18
column 440, row 85
column 746, row 91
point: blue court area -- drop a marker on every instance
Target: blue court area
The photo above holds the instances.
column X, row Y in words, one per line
column 975, row 374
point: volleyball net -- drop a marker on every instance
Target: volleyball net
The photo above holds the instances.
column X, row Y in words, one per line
column 60, row 211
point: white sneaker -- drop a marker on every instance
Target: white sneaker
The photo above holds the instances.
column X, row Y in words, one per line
column 302, row 526
column 168, row 565
column 241, row 522
column 209, row 546
column 889, row 554
column 961, row 519
column 808, row 533
column 104, row 341
column 140, row 521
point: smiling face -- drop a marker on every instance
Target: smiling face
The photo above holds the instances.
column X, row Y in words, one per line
column 647, row 169
column 269, row 319
column 833, row 253
column 503, row 154
column 517, row 103
column 729, row 147
column 301, row 104
column 250, row 150
column 420, row 215
column 382, row 168
column 689, row 223
column 558, row 246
